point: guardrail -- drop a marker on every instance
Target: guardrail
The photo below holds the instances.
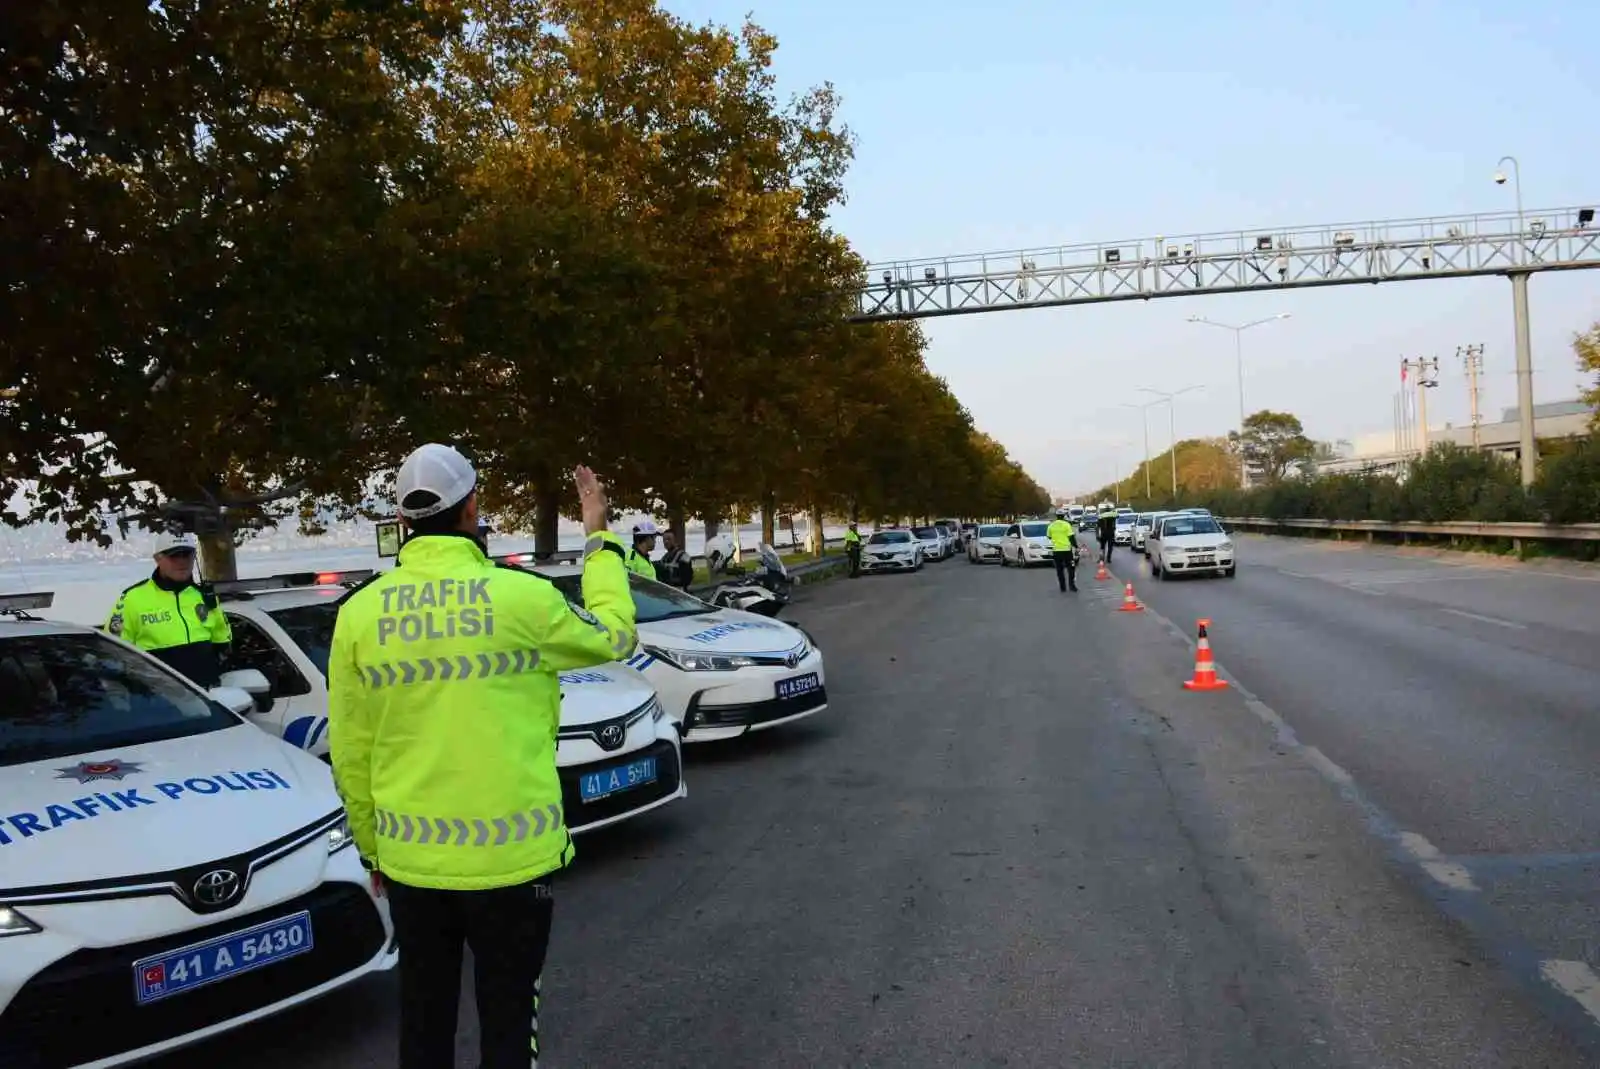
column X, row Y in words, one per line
column 1515, row 533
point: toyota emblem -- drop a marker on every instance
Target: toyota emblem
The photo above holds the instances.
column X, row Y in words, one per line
column 611, row 736
column 217, row 887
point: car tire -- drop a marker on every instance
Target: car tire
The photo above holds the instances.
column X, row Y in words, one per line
column 1155, row 570
column 1229, row 572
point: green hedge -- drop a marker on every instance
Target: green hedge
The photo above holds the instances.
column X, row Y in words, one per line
column 1448, row 483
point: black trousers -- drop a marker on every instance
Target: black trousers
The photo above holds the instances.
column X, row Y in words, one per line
column 508, row 930
column 1108, row 544
column 854, row 552
column 1066, row 568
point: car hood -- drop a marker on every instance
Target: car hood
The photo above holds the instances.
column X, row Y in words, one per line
column 724, row 631
column 589, row 695
column 155, row 807
column 892, row 547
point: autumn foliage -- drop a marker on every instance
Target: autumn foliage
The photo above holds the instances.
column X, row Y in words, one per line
column 258, row 246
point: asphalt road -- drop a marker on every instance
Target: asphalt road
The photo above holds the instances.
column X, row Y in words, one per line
column 1014, row 840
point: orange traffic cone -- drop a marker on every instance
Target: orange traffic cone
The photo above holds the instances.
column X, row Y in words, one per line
column 1101, row 573
column 1205, row 669
column 1129, row 602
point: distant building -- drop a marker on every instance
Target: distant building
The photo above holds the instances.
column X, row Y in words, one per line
column 1378, row 452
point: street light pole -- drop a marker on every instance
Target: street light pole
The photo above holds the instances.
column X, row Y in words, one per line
column 1516, row 189
column 1238, row 357
column 1172, row 424
column 1527, row 444
column 1144, row 413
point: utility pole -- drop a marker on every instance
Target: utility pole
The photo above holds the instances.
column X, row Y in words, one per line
column 1427, row 376
column 1472, row 357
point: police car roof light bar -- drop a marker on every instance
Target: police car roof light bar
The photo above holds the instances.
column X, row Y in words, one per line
column 18, row 604
column 290, row 580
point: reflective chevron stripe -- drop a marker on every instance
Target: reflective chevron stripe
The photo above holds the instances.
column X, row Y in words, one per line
column 428, row 669
column 468, row 831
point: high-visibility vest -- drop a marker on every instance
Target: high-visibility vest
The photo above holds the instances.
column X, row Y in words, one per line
column 1061, row 535
column 444, row 703
column 180, row 625
column 639, row 564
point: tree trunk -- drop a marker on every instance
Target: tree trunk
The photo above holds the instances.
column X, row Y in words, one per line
column 712, row 527
column 678, row 523
column 219, row 559
column 546, row 523
column 769, row 519
column 821, row 531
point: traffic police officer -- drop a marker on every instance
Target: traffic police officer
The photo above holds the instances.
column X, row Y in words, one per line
column 852, row 548
column 172, row 617
column 1064, row 548
column 443, row 709
column 644, row 544
column 1108, row 530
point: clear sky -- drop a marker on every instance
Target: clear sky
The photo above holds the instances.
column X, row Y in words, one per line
column 1011, row 124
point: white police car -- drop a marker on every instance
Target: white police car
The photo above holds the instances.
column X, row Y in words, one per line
column 167, row 872
column 719, row 672
column 616, row 753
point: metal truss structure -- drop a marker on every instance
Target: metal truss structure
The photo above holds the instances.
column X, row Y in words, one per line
column 1514, row 243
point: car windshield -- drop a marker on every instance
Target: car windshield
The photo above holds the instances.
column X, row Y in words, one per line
column 84, row 694
column 311, row 627
column 1034, row 530
column 889, row 538
column 652, row 601
column 1144, row 519
column 992, row 530
column 1127, row 519
column 925, row 532
column 1175, row 526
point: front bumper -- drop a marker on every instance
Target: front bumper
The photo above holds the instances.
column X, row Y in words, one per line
column 1220, row 562
column 892, row 564
column 668, row 786
column 982, row 552
column 746, row 700
column 80, row 1009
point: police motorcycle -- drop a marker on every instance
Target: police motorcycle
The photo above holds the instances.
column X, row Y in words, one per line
column 764, row 593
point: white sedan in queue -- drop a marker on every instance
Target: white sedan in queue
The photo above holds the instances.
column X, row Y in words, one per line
column 1186, row 544
column 616, row 754
column 167, row 871
column 985, row 543
column 891, row 551
column 935, row 546
column 720, row 673
column 1026, row 543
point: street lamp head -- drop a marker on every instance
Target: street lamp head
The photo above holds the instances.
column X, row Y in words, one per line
column 1196, row 319
column 1499, row 178
column 1282, row 315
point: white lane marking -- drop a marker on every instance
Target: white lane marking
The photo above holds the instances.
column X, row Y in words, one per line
column 1575, row 980
column 1327, row 766
column 1486, row 619
column 1434, row 864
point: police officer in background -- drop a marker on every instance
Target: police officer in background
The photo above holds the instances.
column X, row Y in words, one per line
column 443, row 709
column 674, row 568
column 852, row 549
column 1064, row 550
column 1108, row 530
column 644, row 544
column 173, row 618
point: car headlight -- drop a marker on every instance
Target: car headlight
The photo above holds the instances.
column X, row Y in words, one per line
column 658, row 712
column 695, row 661
column 1226, row 547
column 12, row 922
column 339, row 836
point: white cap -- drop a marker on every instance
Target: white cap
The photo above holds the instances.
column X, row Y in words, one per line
column 177, row 543
column 437, row 470
column 645, row 527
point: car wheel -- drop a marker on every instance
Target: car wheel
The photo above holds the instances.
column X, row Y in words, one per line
column 1155, row 570
column 1229, row 572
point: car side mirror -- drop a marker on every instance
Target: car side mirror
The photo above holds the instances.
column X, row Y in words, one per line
column 233, row 699
column 253, row 682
